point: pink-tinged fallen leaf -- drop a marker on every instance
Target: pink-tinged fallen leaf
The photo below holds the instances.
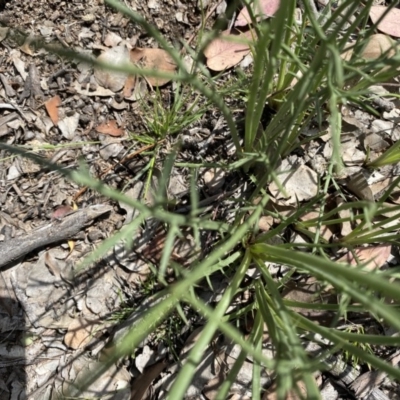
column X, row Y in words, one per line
column 390, row 23
column 373, row 257
column 224, row 52
column 52, row 108
column 110, row 128
column 62, row 212
column 261, row 9
column 155, row 59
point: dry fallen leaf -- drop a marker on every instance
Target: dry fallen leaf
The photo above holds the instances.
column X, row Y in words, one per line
column 390, row 23
column 265, row 223
column 358, row 185
column 112, row 80
column 26, row 46
column 142, row 383
column 129, row 86
column 366, row 383
column 347, row 52
column 114, row 383
column 377, row 45
column 375, row 142
column 69, row 125
column 344, row 214
column 79, row 333
column 52, row 108
column 271, row 393
column 324, row 230
column 225, row 52
column 110, row 128
column 299, row 182
column 155, row 59
column 266, row 8
column 112, row 39
column 373, row 257
column 3, row 33
column 311, row 291
column 19, row 65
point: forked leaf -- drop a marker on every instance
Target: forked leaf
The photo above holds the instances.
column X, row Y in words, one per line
column 224, row 52
column 390, row 23
column 261, row 8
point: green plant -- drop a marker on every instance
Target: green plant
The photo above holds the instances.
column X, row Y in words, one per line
column 182, row 111
column 359, row 330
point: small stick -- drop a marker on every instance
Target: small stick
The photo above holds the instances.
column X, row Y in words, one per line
column 58, row 230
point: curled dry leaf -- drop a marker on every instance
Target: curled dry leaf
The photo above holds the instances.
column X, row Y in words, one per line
column 390, row 23
column 265, row 8
column 52, row 108
column 19, row 65
column 154, row 59
column 110, row 128
column 365, row 383
column 225, row 52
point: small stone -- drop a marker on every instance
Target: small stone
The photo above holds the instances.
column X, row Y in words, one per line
column 214, row 179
